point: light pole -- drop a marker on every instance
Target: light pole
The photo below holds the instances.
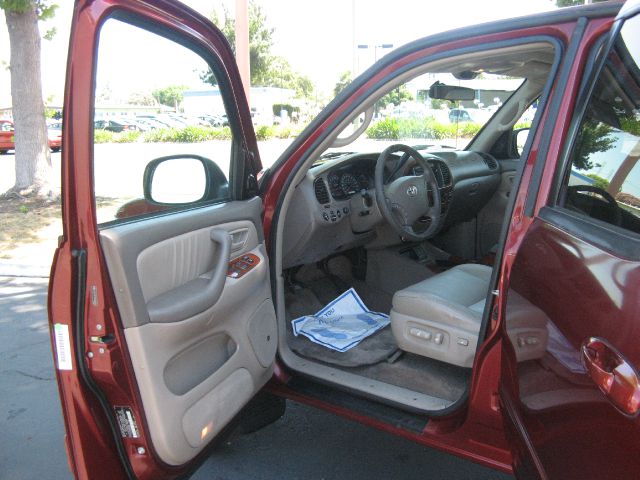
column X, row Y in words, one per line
column 375, row 49
column 375, row 59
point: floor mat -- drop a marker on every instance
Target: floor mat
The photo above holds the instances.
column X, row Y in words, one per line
column 420, row 374
column 374, row 349
column 424, row 375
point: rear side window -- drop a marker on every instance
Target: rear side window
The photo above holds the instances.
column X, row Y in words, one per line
column 603, row 182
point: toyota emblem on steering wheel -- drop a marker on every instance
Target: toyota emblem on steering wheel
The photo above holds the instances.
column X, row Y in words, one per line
column 412, row 191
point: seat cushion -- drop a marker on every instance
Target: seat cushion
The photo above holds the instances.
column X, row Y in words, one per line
column 440, row 317
column 459, row 293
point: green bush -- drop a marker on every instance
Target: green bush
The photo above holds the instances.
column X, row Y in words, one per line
column 160, row 135
column 127, row 137
column 190, row 134
column 599, row 182
column 469, row 129
column 278, row 107
column 427, row 128
column 445, row 130
column 223, row 133
column 630, row 125
column 102, row 136
column 193, row 134
column 264, row 132
column 520, row 125
column 387, row 129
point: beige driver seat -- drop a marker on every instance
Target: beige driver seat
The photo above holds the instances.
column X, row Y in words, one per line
column 440, row 317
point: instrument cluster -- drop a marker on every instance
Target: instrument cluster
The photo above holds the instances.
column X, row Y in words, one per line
column 343, row 184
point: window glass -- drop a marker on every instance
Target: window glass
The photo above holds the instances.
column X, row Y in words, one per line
column 155, row 98
column 420, row 112
column 604, row 181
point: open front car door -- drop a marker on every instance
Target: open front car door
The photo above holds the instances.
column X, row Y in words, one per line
column 160, row 302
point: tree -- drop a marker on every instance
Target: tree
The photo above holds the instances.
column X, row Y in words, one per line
column 170, row 96
column 598, row 181
column 260, row 43
column 345, row 80
column 266, row 70
column 32, row 157
column 395, row 97
column 280, row 74
column 304, row 87
column 594, row 137
column 142, row 98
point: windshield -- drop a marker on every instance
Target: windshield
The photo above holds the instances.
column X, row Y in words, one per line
column 409, row 114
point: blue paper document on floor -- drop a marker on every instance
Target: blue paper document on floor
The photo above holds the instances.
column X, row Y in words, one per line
column 342, row 324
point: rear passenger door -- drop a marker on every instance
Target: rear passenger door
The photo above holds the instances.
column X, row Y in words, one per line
column 574, row 412
column 160, row 301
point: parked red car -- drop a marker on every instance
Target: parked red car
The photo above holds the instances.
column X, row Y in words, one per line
column 510, row 279
column 7, row 140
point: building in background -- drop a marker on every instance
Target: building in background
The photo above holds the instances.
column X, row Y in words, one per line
column 207, row 101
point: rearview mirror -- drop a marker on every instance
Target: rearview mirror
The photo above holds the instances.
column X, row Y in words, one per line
column 441, row 91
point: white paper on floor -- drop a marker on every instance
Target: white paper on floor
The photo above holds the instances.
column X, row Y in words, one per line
column 342, row 324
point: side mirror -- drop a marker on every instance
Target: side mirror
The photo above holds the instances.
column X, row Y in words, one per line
column 441, row 91
column 520, row 139
column 183, row 179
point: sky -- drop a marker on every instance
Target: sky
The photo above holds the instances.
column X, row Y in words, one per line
column 317, row 38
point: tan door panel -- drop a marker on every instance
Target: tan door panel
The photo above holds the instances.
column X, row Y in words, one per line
column 195, row 366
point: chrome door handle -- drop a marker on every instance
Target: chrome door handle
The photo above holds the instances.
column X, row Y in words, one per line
column 613, row 374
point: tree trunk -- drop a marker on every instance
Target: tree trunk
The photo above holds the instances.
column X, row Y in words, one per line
column 32, row 156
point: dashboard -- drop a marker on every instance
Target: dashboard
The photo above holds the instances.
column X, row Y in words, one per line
column 334, row 206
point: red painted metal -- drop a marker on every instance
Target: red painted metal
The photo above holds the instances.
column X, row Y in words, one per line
column 583, row 429
column 89, row 437
column 612, row 374
column 475, row 431
column 528, row 456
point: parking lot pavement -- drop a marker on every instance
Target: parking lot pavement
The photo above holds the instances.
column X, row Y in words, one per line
column 305, row 444
column 311, row 444
column 31, row 428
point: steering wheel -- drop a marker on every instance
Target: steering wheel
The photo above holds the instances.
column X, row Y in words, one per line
column 406, row 199
column 612, row 205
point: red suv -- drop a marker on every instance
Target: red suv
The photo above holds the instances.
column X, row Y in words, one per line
column 493, row 272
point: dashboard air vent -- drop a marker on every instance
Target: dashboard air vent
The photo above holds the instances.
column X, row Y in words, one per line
column 442, row 173
column 446, row 174
column 322, row 194
column 490, row 161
